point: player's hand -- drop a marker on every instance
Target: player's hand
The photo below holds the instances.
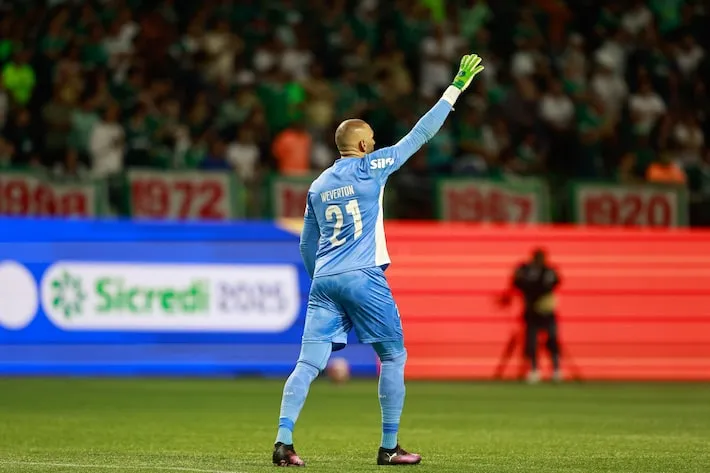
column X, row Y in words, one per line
column 470, row 67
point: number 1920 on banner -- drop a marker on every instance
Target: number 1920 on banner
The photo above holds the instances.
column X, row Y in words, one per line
column 639, row 205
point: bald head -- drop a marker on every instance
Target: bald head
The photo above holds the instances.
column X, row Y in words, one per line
column 354, row 138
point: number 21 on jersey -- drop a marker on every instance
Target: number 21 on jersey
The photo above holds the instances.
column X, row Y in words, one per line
column 334, row 212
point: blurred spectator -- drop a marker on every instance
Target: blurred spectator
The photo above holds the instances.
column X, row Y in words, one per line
column 94, row 54
column 475, row 154
column 107, row 144
column 57, row 37
column 7, row 154
column 553, row 101
column 292, row 150
column 236, row 110
column 297, row 60
column 613, row 52
column 688, row 55
column 609, row 87
column 196, row 151
column 267, row 54
column 216, row 158
column 668, row 14
column 646, row 107
column 221, row 47
column 19, row 78
column 4, row 105
column 521, row 105
column 637, row 18
column 243, row 154
column 688, row 137
column 200, row 114
column 439, row 51
column 119, row 41
column 440, row 149
column 322, row 155
column 573, row 58
column 319, row 108
column 626, row 171
column 665, row 171
column 70, row 167
column 23, row 133
column 527, row 61
column 474, row 15
column 594, row 128
column 556, row 108
column 529, row 157
column 57, row 115
column 83, row 119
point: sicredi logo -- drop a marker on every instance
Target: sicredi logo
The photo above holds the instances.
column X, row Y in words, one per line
column 381, row 163
column 170, row 297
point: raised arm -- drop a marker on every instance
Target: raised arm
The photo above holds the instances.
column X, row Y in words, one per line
column 387, row 160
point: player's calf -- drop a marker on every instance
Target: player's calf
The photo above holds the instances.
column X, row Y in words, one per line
column 285, row 455
column 397, row 456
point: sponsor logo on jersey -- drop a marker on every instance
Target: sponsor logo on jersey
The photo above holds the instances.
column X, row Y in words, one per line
column 381, row 163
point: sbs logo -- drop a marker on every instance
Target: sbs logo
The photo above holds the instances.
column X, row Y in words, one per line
column 381, row 163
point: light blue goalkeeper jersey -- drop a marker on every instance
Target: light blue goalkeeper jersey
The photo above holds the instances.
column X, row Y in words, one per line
column 344, row 227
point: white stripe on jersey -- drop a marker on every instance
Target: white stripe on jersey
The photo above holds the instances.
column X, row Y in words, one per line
column 381, row 254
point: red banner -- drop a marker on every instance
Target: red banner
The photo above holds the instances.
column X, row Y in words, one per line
column 288, row 196
column 29, row 194
column 646, row 206
column 631, row 305
column 193, row 195
column 483, row 201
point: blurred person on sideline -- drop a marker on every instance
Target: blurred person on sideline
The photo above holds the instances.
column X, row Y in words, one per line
column 536, row 280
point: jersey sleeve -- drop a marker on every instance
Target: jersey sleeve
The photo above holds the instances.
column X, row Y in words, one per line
column 383, row 162
column 310, row 234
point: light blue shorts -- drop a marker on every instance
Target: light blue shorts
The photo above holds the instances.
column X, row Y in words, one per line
column 358, row 299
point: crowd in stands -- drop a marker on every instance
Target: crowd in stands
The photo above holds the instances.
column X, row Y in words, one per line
column 578, row 89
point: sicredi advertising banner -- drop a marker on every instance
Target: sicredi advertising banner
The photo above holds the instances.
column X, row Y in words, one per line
column 158, row 298
column 128, row 297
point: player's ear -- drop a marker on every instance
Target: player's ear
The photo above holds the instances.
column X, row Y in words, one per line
column 363, row 146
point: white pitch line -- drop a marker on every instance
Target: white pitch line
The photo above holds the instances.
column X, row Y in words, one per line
column 112, row 467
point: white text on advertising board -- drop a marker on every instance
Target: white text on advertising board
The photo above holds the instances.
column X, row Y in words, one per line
column 171, row 297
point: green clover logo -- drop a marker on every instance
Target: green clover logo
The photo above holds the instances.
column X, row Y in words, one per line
column 68, row 294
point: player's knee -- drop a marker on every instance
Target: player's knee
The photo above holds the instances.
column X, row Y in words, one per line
column 391, row 351
column 315, row 354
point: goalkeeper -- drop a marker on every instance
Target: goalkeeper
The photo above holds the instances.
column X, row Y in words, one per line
column 344, row 250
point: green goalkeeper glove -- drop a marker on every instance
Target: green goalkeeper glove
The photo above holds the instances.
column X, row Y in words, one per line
column 470, row 67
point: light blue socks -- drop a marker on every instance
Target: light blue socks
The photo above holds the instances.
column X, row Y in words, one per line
column 391, row 390
column 313, row 359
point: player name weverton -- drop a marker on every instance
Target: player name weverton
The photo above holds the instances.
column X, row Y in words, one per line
column 345, row 191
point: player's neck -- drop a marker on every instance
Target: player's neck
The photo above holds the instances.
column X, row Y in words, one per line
column 351, row 155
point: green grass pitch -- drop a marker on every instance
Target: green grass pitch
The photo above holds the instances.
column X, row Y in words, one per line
column 136, row 425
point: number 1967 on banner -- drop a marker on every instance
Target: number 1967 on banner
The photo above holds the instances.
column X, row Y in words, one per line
column 483, row 201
